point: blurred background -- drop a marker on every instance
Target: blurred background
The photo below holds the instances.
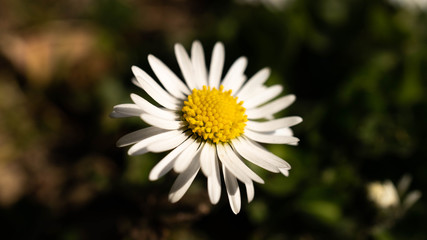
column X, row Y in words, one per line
column 358, row 69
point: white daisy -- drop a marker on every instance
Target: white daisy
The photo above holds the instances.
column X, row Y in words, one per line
column 384, row 195
column 412, row 5
column 209, row 123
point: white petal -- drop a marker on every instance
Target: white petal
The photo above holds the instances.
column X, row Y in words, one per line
column 199, row 65
column 183, row 181
column 238, row 163
column 136, row 83
column 186, row 67
column 151, row 109
column 217, row 63
column 154, row 90
column 168, row 144
column 186, row 157
column 253, row 84
column 161, row 123
column 272, row 125
column 234, row 78
column 260, row 152
column 166, row 164
column 141, row 146
column 236, row 84
column 270, row 138
column 246, row 151
column 226, row 161
column 284, row 171
column 250, row 191
column 271, row 108
column 269, row 117
column 138, row 135
column 233, row 190
column 230, row 164
column 283, row 132
column 169, row 80
column 126, row 110
column 207, row 156
column 214, row 182
column 115, row 114
column 263, row 97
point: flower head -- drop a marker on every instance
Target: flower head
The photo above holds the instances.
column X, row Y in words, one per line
column 384, row 195
column 208, row 122
column 412, row 5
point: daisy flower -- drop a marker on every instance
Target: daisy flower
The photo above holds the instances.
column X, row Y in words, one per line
column 209, row 122
column 413, row 5
column 384, row 195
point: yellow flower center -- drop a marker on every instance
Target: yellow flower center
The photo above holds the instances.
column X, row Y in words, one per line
column 214, row 115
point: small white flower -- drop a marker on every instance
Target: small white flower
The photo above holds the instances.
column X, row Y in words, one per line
column 411, row 4
column 384, row 195
column 209, row 123
column 272, row 4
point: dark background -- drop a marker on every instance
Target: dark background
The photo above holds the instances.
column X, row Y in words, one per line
column 358, row 69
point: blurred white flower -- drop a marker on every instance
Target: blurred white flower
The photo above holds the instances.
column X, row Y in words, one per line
column 384, row 195
column 271, row 4
column 411, row 4
column 392, row 201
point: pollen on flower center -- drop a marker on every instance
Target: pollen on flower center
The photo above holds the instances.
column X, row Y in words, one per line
column 214, row 114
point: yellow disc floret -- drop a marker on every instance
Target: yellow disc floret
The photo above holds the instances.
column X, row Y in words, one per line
column 214, row 115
